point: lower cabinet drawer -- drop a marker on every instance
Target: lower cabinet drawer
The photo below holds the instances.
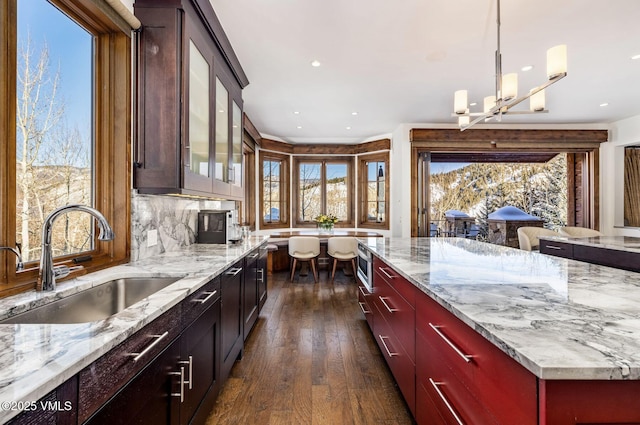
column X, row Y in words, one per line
column 401, row 365
column 443, row 392
column 101, row 379
column 503, row 386
column 558, row 249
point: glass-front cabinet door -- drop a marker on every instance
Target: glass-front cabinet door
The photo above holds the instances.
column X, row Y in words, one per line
column 197, row 144
column 235, row 175
column 222, row 138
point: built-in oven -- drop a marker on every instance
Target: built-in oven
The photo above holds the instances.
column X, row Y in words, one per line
column 365, row 267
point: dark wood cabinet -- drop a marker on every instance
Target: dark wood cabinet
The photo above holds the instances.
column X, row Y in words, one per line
column 262, row 276
column 250, row 304
column 180, row 384
column 619, row 259
column 189, row 135
column 232, row 317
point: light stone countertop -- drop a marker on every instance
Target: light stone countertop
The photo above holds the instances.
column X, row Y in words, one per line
column 35, row 359
column 620, row 243
column 559, row 318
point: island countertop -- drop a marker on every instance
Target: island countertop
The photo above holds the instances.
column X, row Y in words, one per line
column 35, row 359
column 560, row 319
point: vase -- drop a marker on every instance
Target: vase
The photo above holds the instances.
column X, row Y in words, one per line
column 325, row 227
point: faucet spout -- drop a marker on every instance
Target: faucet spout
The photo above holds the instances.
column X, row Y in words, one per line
column 47, row 273
column 20, row 265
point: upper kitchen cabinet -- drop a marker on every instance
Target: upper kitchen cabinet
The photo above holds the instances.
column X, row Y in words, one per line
column 189, row 138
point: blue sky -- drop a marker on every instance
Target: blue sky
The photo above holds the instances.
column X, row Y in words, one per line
column 70, row 49
column 445, row 167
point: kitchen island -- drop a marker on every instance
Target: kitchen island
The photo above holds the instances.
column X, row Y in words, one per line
column 37, row 358
column 572, row 327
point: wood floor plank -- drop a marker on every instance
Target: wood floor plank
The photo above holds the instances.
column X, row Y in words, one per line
column 310, row 359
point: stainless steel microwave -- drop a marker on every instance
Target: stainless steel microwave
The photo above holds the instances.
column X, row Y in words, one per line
column 365, row 267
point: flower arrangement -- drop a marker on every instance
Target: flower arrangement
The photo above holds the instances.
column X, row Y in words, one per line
column 326, row 221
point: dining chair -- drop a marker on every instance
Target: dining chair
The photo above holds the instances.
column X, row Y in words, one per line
column 304, row 248
column 342, row 248
column 578, row 232
column 528, row 237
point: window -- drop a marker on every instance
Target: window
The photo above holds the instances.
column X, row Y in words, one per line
column 274, row 190
column 323, row 186
column 632, row 186
column 374, row 190
column 67, row 142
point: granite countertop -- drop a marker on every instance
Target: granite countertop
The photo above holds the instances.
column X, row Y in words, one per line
column 559, row 318
column 35, row 359
column 621, row 243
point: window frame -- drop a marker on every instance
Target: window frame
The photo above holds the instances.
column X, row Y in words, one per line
column 363, row 189
column 112, row 136
column 284, row 183
column 349, row 160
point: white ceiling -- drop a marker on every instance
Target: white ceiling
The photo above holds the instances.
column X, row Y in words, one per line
column 399, row 61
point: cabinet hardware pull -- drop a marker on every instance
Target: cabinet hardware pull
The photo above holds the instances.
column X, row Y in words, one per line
column 445, row 401
column 364, row 294
column 465, row 357
column 382, row 269
column 362, row 308
column 261, row 271
column 207, row 298
column 385, row 346
column 190, row 363
column 233, row 271
column 138, row 356
column 554, row 247
column 252, row 256
column 181, row 393
column 391, row 310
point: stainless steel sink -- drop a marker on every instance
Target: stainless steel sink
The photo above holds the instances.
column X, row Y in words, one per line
column 97, row 303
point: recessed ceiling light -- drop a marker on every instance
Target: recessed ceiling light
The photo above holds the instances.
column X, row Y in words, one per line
column 296, row 112
column 221, row 111
column 348, row 128
column 299, row 126
column 634, row 57
column 315, row 63
column 527, row 68
column 473, row 104
column 354, row 113
column 604, row 104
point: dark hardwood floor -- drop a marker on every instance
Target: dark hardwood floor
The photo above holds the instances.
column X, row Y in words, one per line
column 310, row 359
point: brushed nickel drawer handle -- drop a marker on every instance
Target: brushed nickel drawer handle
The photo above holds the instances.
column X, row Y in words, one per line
column 391, row 310
column 207, row 298
column 385, row 273
column 233, row 271
column 190, row 363
column 445, row 401
column 252, row 256
column 364, row 294
column 181, row 393
column 385, row 346
column 261, row 271
column 138, row 356
column 465, row 357
column 559, row 248
column 362, row 308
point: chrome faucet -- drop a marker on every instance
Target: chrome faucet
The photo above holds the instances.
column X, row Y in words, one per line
column 20, row 265
column 47, row 275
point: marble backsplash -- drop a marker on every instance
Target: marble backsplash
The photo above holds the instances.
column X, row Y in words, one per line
column 174, row 218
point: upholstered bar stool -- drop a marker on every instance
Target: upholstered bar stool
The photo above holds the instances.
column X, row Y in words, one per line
column 528, row 237
column 342, row 248
column 304, row 248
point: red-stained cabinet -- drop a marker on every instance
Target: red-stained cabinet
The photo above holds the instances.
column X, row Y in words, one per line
column 394, row 325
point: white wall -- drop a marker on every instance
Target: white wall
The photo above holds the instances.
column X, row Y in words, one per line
column 621, row 133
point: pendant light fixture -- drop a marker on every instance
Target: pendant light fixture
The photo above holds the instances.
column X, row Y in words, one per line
column 506, row 92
